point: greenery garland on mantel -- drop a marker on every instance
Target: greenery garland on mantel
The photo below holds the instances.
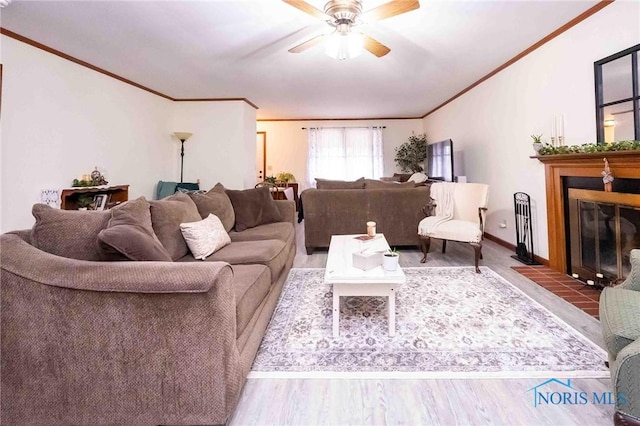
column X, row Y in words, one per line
column 589, row 148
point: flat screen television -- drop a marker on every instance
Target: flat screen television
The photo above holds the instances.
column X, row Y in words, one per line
column 440, row 160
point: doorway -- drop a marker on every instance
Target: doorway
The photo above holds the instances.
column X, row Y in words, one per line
column 261, row 156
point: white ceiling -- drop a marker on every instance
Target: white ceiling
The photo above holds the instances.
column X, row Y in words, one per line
column 238, row 49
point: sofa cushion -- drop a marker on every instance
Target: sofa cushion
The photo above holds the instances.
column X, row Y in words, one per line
column 205, row 237
column 251, row 285
column 620, row 318
column 339, row 184
column 253, row 207
column 378, row 184
column 128, row 237
column 74, row 233
column 283, row 231
column 270, row 253
column 68, row 233
column 215, row 201
column 454, row 230
column 167, row 215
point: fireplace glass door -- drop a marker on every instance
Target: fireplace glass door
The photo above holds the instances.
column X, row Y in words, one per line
column 602, row 234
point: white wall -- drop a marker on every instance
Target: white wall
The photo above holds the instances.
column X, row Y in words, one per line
column 59, row 120
column 287, row 142
column 493, row 122
column 248, row 164
column 219, row 150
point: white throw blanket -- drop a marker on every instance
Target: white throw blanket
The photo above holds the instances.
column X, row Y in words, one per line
column 442, row 193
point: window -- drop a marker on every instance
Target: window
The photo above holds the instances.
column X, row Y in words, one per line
column 344, row 153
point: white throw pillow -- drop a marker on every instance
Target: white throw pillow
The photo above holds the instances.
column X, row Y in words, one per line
column 418, row 177
column 205, row 237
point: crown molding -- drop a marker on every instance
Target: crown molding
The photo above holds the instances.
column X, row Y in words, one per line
column 80, row 62
column 217, row 100
column 575, row 21
column 584, row 15
column 70, row 58
column 339, row 119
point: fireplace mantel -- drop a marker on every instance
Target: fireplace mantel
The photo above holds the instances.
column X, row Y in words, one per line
column 623, row 164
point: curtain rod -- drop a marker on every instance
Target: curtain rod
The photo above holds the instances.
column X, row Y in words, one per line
column 375, row 127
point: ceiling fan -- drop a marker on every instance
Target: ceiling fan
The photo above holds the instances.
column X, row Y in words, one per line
column 343, row 15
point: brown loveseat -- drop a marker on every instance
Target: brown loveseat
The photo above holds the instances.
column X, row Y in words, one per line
column 94, row 342
column 396, row 209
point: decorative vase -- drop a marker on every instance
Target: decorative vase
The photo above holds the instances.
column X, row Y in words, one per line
column 537, row 147
column 390, row 261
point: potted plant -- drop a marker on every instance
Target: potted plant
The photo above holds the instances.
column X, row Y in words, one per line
column 84, row 201
column 285, row 177
column 390, row 260
column 410, row 155
column 537, row 142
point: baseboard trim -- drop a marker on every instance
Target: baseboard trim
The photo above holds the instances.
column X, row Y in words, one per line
column 510, row 246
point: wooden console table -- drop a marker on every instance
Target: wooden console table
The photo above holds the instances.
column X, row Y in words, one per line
column 294, row 186
column 116, row 193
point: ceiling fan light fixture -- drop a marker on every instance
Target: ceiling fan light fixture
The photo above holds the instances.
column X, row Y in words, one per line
column 342, row 45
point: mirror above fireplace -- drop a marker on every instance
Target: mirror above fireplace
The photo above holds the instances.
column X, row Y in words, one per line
column 617, row 79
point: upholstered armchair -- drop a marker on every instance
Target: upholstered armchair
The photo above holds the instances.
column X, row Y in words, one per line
column 620, row 320
column 457, row 213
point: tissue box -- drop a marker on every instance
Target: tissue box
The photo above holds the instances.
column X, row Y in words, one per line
column 366, row 260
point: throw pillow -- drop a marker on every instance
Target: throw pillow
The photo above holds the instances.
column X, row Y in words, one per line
column 339, row 184
column 215, row 201
column 205, row 237
column 418, row 177
column 167, row 215
column 253, row 207
column 402, row 177
column 74, row 233
column 126, row 237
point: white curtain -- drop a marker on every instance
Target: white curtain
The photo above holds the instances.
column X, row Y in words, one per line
column 344, row 153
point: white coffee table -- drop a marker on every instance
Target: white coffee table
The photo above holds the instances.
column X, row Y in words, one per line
column 349, row 281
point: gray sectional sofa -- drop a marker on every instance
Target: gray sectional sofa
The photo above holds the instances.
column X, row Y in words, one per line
column 620, row 319
column 346, row 207
column 88, row 341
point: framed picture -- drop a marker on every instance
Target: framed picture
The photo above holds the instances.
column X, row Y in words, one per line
column 100, row 201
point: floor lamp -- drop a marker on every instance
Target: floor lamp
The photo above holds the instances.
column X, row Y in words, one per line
column 182, row 136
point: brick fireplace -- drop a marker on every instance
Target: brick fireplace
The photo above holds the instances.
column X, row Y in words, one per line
column 565, row 171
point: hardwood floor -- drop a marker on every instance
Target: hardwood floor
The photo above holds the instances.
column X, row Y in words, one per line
column 422, row 402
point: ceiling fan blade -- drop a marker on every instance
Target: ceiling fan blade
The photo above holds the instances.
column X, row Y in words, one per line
column 387, row 10
column 374, row 46
column 308, row 9
column 307, row 44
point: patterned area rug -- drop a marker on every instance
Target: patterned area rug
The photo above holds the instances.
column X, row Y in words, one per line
column 450, row 322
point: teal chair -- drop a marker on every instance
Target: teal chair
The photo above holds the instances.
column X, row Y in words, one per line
column 620, row 319
column 164, row 189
